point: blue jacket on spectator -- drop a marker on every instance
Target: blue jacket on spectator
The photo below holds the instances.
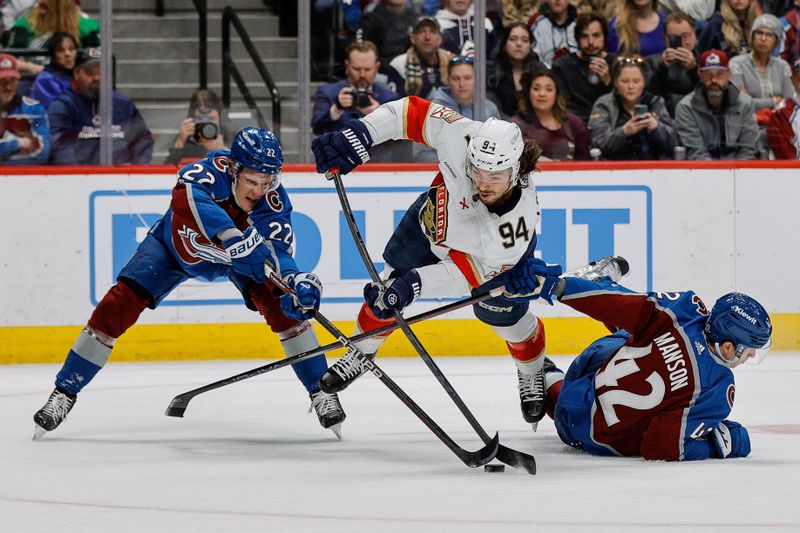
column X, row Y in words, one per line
column 326, row 96
column 75, row 128
column 52, row 82
column 25, row 118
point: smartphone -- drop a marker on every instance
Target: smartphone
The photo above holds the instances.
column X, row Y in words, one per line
column 675, row 41
column 640, row 110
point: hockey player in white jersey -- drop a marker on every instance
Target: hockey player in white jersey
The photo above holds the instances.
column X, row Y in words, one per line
column 476, row 222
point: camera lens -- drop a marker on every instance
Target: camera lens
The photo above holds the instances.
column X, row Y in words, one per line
column 206, row 130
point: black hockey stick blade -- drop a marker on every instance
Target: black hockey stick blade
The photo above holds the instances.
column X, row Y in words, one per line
column 482, row 456
column 517, row 459
column 178, row 404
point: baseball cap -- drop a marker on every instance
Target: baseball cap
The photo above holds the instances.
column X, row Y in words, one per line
column 713, row 59
column 88, row 56
column 430, row 21
column 8, row 66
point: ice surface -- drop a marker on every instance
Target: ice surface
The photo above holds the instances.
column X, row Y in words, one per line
column 248, row 457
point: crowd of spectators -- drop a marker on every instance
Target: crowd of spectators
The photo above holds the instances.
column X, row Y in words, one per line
column 614, row 80
column 587, row 79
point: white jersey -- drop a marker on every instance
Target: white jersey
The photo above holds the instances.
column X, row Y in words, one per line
column 475, row 245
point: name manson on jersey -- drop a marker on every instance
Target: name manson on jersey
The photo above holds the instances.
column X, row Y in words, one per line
column 675, row 359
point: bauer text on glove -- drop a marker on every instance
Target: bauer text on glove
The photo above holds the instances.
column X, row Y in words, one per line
column 250, row 255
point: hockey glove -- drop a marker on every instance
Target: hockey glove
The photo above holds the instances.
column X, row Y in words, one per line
column 307, row 294
column 531, row 279
column 251, row 256
column 730, row 439
column 394, row 295
column 344, row 149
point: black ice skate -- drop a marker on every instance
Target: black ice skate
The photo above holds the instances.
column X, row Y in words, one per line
column 532, row 396
column 342, row 373
column 53, row 413
column 329, row 411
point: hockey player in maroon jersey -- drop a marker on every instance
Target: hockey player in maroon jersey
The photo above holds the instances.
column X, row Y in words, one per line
column 661, row 386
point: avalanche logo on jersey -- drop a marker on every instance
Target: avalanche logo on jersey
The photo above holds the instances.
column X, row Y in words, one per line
column 446, row 114
column 192, row 251
column 433, row 215
column 274, row 201
column 729, row 394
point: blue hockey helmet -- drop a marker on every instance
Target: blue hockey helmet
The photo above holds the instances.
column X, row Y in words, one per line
column 259, row 150
column 743, row 321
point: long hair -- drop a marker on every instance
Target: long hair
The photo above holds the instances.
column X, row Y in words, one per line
column 61, row 15
column 528, row 161
column 55, row 41
column 502, row 58
column 732, row 31
column 626, row 26
column 524, row 104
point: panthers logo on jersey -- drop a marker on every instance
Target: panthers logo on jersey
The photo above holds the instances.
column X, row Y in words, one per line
column 433, row 215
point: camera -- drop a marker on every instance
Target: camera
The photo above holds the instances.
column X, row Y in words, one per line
column 675, row 41
column 360, row 97
column 205, row 128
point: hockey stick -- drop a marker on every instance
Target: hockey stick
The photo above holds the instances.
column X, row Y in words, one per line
column 471, row 459
column 179, row 403
column 509, row 456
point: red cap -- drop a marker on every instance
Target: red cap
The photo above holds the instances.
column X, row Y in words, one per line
column 713, row 59
column 8, row 66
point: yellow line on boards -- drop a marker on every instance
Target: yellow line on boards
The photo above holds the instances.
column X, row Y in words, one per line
column 36, row 344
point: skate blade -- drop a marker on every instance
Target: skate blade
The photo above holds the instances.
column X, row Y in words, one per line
column 337, row 430
column 38, row 432
column 534, row 426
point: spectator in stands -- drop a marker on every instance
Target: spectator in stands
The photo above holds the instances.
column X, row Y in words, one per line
column 727, row 30
column 518, row 11
column 202, row 131
column 791, row 35
column 674, row 71
column 638, row 28
column 24, row 136
column 630, row 123
column 553, row 29
column 75, row 121
column 760, row 73
column 543, row 117
column 716, row 121
column 388, row 27
column 458, row 95
column 335, row 104
column 513, row 58
column 776, row 7
column 35, row 27
column 460, row 89
column 698, row 10
column 57, row 76
column 783, row 129
column 585, row 75
column 423, row 67
column 458, row 26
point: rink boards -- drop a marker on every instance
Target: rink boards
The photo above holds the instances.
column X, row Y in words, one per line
column 711, row 228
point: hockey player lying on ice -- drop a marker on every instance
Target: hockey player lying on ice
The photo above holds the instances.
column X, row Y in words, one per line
column 477, row 220
column 661, row 386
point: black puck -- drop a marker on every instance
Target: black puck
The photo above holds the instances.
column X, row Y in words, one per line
column 494, row 468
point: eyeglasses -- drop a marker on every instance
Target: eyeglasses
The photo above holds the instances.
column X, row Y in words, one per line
column 630, row 60
column 467, row 60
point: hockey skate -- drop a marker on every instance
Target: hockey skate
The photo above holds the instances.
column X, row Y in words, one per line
column 53, row 413
column 329, row 411
column 532, row 396
column 342, row 373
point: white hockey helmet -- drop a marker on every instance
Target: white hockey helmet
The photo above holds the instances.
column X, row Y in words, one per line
column 496, row 145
